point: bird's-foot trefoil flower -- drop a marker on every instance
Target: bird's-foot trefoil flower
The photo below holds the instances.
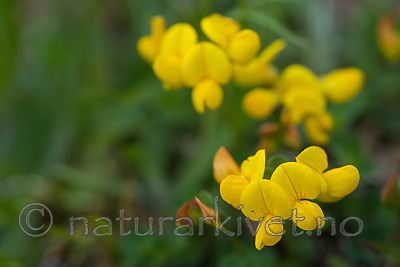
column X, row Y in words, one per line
column 240, row 45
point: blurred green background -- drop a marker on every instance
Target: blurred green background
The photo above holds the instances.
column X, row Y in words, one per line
column 86, row 129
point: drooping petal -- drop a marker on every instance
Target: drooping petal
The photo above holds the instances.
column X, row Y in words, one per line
column 167, row 68
column 343, row 84
column 219, row 29
column 243, row 46
column 178, row 39
column 207, row 93
column 314, row 157
column 262, row 197
column 298, row 180
column 224, row 165
column 318, row 128
column 341, row 181
column 298, row 76
column 253, row 167
column 259, row 103
column 269, row 225
column 310, row 211
column 206, row 61
column 231, row 189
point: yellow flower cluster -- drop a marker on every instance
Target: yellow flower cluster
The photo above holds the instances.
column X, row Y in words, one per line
column 304, row 98
column 179, row 60
column 291, row 187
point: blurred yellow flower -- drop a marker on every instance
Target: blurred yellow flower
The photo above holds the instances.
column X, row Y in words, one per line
column 205, row 66
column 149, row 46
column 177, row 40
column 240, row 45
column 318, row 127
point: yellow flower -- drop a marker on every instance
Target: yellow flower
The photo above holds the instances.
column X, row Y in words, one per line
column 301, row 94
column 259, row 71
column 318, row 127
column 339, row 181
column 302, row 185
column 342, row 85
column 260, row 198
column 259, row 103
column 205, row 67
column 177, row 40
column 301, row 102
column 232, row 186
column 240, row 45
column 149, row 46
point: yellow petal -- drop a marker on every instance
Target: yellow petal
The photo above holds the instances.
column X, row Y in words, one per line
column 318, row 128
column 168, row 69
column 253, row 167
column 148, row 46
column 178, row 39
column 259, row 103
column 298, row 180
column 244, row 45
column 254, row 74
column 314, row 157
column 158, row 27
column 206, row 61
column 219, row 29
column 341, row 181
column 231, row 189
column 262, row 197
column 269, row 224
column 298, row 76
column 224, row 165
column 271, row 52
column 207, row 93
column 310, row 211
column 343, row 84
